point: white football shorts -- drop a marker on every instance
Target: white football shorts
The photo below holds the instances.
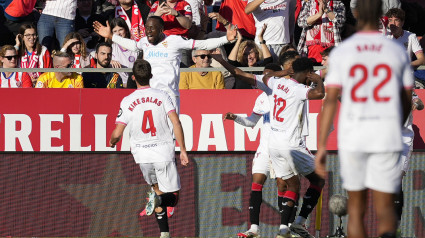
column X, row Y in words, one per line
column 291, row 162
column 405, row 156
column 163, row 173
column 377, row 171
column 261, row 164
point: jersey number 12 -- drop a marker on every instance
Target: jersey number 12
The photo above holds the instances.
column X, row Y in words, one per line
column 148, row 121
column 279, row 106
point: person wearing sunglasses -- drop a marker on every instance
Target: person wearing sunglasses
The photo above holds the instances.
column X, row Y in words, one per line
column 201, row 80
column 9, row 59
column 61, row 60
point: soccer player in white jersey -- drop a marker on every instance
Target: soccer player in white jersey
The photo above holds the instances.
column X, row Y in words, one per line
column 408, row 39
column 376, row 77
column 408, row 137
column 145, row 111
column 261, row 162
column 164, row 52
column 289, row 154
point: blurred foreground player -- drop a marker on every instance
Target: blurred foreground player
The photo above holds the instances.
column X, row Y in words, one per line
column 376, row 78
column 145, row 111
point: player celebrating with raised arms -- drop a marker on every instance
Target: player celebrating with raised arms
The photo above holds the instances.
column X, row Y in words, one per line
column 376, row 77
column 164, row 52
column 288, row 152
column 145, row 111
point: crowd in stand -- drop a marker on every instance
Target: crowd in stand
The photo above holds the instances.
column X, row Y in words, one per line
column 46, row 34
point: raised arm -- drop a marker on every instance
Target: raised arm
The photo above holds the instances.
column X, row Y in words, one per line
column 213, row 43
column 247, row 77
column 319, row 91
column 250, row 7
column 105, row 31
column 264, row 48
column 234, row 53
column 250, row 121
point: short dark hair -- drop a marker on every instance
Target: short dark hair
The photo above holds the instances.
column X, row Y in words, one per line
column 273, row 66
column 327, row 51
column 368, row 12
column 102, row 44
column 161, row 21
column 142, row 71
column 302, row 64
column 121, row 23
column 397, row 13
column 288, row 55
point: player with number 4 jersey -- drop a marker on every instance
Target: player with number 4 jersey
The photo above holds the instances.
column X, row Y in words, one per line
column 146, row 112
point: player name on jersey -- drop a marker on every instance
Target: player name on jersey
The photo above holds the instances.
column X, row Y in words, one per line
column 144, row 100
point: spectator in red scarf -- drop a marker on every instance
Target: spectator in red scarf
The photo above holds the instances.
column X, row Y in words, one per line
column 30, row 52
column 135, row 14
column 321, row 21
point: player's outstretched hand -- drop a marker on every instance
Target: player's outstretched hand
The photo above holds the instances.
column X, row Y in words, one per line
column 232, row 32
column 104, row 31
column 115, row 64
column 229, row 116
column 184, row 159
column 320, row 163
column 216, row 54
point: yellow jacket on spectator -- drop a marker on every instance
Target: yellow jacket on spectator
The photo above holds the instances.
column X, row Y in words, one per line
column 48, row 80
column 194, row 80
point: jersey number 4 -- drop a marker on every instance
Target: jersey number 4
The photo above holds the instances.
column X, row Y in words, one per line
column 363, row 70
column 148, row 121
column 279, row 106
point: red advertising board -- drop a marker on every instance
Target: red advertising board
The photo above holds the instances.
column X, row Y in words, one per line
column 83, row 119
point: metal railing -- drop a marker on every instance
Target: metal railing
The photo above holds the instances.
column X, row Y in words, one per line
column 105, row 70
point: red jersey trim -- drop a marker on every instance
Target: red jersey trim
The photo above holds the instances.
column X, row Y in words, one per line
column 333, row 86
column 120, row 122
column 143, row 87
column 257, row 113
column 171, row 111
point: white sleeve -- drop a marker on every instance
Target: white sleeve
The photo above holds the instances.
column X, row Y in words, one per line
column 126, row 43
column 250, row 121
column 416, row 47
column 210, row 44
column 301, row 91
column 408, row 80
column 168, row 104
column 123, row 116
column 333, row 78
column 261, row 105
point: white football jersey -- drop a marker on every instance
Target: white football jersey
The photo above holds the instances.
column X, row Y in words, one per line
column 371, row 70
column 13, row 81
column 408, row 133
column 165, row 58
column 124, row 57
column 276, row 15
column 262, row 107
column 287, row 111
column 409, row 41
column 145, row 112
